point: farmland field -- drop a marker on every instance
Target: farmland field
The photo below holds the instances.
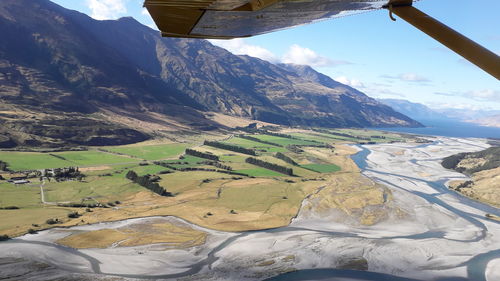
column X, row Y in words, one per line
column 322, row 168
column 284, row 141
column 152, row 152
column 260, row 172
column 20, row 161
column 22, row 196
column 92, row 157
column 263, row 199
column 107, row 188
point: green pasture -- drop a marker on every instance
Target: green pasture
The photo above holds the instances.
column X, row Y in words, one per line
column 183, row 181
column 255, row 145
column 260, row 172
column 152, row 152
column 284, row 141
column 93, row 158
column 20, row 161
column 258, row 197
column 22, row 196
column 322, row 168
column 106, row 188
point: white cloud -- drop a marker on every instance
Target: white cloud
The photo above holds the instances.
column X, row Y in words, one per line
column 295, row 54
column 152, row 26
column 106, row 9
column 300, row 55
column 412, row 77
column 408, row 77
column 457, row 106
column 484, row 95
column 240, row 47
column 355, row 83
column 144, row 12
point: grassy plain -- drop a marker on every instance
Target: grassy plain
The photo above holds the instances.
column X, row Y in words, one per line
column 22, row 196
column 322, row 168
column 284, row 141
column 215, row 200
column 20, row 161
column 103, row 189
column 177, row 236
column 152, row 152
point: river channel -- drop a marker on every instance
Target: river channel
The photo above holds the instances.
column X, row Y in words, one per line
column 444, row 235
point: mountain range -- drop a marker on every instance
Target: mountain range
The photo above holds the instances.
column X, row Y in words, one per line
column 422, row 113
column 414, row 110
column 67, row 79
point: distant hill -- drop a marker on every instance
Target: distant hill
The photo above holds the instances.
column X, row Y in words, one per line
column 490, row 121
column 69, row 79
column 416, row 111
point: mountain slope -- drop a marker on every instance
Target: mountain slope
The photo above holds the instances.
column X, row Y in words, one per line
column 490, row 121
column 416, row 111
column 68, row 79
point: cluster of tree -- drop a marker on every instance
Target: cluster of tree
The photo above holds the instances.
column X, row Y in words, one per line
column 57, row 156
column 68, row 173
column 74, row 215
column 4, row 237
column 340, row 134
column 464, row 185
column 218, row 165
column 148, row 182
column 9, row 208
column 82, row 205
column 3, row 166
column 294, row 148
column 247, row 137
column 52, row 221
column 367, row 142
column 320, row 145
column 269, row 133
column 168, row 165
column 285, row 158
column 228, row 170
column 202, row 154
column 270, row 166
column 230, row 147
column 377, row 137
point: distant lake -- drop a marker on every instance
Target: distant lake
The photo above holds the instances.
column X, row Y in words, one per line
column 449, row 129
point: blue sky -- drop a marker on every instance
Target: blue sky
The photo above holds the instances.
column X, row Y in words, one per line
column 370, row 52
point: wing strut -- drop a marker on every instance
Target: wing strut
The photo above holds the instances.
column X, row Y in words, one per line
column 470, row 50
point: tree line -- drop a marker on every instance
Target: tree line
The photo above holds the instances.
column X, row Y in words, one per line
column 285, row 158
column 200, row 154
column 340, row 134
column 148, row 182
column 230, row 147
column 218, row 165
column 4, row 166
column 259, row 140
column 270, row 166
column 191, row 169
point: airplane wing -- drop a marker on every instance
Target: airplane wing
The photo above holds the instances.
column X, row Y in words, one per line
column 226, row 19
